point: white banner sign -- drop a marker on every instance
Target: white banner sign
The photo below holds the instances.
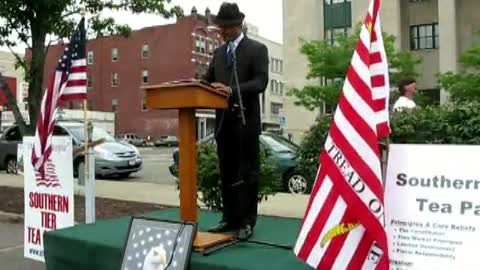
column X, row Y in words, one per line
column 432, row 199
column 49, row 199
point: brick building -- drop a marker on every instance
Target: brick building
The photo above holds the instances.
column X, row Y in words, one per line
column 119, row 66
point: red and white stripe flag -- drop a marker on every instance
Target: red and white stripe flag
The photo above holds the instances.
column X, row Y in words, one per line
column 69, row 82
column 343, row 227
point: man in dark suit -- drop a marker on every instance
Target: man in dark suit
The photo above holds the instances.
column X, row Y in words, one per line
column 238, row 144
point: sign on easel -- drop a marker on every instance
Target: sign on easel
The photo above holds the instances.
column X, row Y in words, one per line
column 433, row 207
column 49, row 199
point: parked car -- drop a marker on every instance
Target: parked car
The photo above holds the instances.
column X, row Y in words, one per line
column 278, row 148
column 133, row 139
column 9, row 142
column 166, row 141
column 112, row 158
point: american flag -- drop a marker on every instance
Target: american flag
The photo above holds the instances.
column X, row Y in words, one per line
column 150, row 246
column 68, row 82
column 343, row 226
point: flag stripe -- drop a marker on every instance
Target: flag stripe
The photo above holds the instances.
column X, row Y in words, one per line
column 319, row 225
column 78, row 69
column 359, row 124
column 334, row 218
column 363, row 213
column 362, row 149
column 336, row 244
column 363, row 170
column 345, row 255
column 77, row 76
column 319, row 200
column 360, row 254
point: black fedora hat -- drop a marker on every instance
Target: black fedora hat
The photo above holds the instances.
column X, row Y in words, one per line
column 229, row 15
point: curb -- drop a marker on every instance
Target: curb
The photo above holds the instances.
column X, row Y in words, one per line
column 10, row 217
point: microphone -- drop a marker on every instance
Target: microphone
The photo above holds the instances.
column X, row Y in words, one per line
column 231, row 46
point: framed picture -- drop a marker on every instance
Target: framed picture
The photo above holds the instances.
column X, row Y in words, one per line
column 156, row 244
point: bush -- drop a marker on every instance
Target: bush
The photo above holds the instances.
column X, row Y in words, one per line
column 310, row 148
column 208, row 174
column 457, row 123
column 454, row 123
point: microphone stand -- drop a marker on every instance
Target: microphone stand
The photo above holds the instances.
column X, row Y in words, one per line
column 237, row 84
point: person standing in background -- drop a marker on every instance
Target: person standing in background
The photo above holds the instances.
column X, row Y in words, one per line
column 407, row 89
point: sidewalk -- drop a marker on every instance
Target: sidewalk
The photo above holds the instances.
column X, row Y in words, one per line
column 282, row 204
column 11, row 247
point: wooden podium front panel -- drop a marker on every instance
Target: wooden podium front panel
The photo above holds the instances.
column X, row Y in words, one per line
column 184, row 96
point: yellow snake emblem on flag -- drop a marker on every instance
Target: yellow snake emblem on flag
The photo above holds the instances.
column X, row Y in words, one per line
column 338, row 230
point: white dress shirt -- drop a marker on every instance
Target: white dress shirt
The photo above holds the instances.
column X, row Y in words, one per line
column 236, row 42
column 402, row 103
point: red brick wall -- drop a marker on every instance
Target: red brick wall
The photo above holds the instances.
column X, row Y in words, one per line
column 170, row 58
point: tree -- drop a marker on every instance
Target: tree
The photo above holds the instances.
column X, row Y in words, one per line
column 464, row 85
column 329, row 64
column 31, row 22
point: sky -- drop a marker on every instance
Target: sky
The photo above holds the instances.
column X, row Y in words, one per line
column 265, row 14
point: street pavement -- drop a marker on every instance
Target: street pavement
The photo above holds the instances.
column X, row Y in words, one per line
column 11, row 247
column 156, row 161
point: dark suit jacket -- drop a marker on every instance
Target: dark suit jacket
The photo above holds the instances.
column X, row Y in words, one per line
column 252, row 70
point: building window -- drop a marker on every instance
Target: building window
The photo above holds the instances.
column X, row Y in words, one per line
column 114, row 79
column 328, row 2
column 276, row 65
column 276, row 87
column 90, row 104
column 90, row 57
column 145, row 51
column 272, row 86
column 331, row 35
column 200, row 44
column 200, row 70
column 275, row 108
column 145, row 76
column 424, row 37
column 89, row 80
column 114, row 54
column 114, row 105
column 144, row 101
column 210, row 47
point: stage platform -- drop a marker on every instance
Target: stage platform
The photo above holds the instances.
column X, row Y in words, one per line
column 99, row 246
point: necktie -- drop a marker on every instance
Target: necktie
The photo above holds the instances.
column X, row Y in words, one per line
column 229, row 57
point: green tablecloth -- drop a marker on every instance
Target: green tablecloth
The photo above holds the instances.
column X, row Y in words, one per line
column 99, row 246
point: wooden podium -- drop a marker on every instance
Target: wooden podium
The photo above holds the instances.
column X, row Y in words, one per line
column 186, row 97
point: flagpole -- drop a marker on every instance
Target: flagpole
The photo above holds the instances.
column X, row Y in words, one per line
column 85, row 130
column 89, row 161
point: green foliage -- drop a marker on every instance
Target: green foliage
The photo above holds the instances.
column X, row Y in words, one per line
column 209, row 183
column 328, row 65
column 464, row 85
column 28, row 23
column 311, row 146
column 454, row 123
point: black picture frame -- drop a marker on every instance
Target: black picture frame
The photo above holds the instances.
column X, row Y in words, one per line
column 188, row 246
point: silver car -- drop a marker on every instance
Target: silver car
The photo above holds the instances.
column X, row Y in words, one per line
column 112, row 158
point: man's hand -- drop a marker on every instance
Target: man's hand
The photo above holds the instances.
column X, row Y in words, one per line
column 222, row 87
